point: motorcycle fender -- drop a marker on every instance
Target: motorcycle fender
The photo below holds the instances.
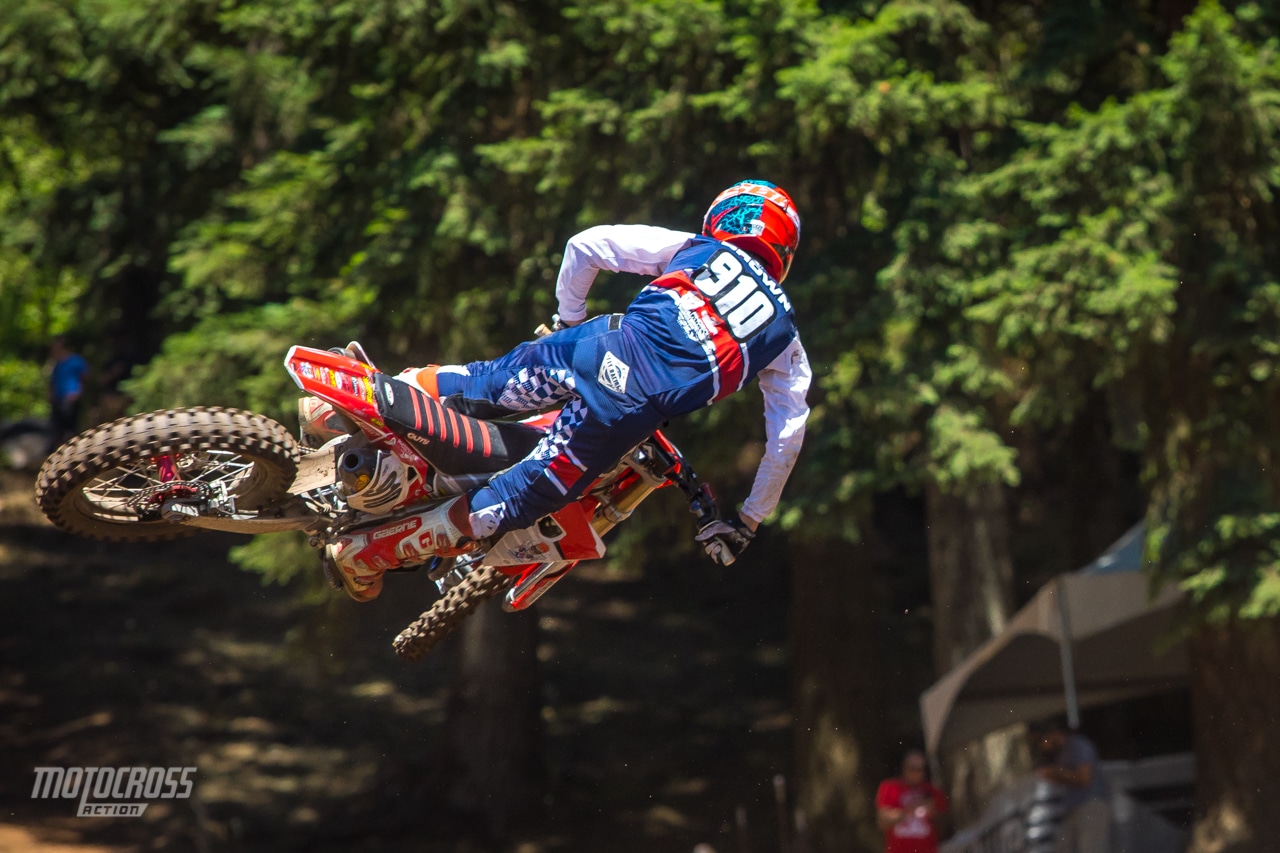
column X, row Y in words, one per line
column 318, row 468
column 342, row 381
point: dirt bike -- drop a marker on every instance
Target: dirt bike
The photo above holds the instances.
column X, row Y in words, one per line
column 397, row 451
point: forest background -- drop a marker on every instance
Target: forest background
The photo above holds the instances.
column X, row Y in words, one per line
column 1036, row 283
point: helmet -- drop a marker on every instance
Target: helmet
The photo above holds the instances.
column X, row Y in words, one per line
column 759, row 217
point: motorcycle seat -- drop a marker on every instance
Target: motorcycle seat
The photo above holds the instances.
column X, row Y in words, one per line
column 454, row 443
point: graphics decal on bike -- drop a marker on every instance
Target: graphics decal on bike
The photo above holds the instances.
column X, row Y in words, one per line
column 566, row 534
column 387, row 487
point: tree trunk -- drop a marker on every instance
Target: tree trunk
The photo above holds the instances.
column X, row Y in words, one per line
column 838, row 682
column 971, row 584
column 970, row 570
column 493, row 732
column 1235, row 695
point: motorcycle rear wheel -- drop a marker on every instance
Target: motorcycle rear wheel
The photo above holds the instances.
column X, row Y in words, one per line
column 107, row 484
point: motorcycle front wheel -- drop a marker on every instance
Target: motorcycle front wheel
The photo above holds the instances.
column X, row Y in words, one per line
column 109, row 482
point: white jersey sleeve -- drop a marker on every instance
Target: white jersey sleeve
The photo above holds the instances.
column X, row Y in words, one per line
column 784, row 383
column 641, row 249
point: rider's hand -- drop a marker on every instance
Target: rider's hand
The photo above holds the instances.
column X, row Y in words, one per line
column 726, row 538
column 558, row 323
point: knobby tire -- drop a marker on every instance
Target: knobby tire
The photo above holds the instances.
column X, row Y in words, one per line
column 448, row 611
column 172, row 432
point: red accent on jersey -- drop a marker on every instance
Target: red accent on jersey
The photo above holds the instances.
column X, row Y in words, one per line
column 725, row 353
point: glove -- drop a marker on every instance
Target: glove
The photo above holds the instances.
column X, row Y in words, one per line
column 725, row 539
column 558, row 323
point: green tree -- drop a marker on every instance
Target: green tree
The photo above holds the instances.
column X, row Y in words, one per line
column 1129, row 252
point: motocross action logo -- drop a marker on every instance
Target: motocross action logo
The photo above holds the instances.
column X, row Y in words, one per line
column 112, row 787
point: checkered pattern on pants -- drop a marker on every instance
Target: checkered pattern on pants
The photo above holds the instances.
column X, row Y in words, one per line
column 556, row 442
column 533, row 388
column 593, row 430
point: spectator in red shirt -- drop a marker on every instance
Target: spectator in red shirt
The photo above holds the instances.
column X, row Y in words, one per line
column 908, row 808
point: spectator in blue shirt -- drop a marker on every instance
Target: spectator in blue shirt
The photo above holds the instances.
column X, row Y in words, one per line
column 66, row 388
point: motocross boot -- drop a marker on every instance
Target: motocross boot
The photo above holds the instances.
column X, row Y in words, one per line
column 362, row 558
column 320, row 422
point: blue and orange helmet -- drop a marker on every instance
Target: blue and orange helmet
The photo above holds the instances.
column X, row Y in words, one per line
column 760, row 218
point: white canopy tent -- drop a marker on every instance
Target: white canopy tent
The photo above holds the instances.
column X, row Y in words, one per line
column 1087, row 638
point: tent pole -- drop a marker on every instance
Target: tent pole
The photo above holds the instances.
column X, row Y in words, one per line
column 1068, row 661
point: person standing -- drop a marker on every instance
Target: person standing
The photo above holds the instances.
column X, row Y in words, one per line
column 1086, row 814
column 908, row 808
column 66, row 388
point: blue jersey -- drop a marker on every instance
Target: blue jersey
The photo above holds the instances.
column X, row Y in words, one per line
column 711, row 321
column 705, row 327
column 67, row 379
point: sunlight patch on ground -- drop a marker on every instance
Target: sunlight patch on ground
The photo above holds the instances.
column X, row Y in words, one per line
column 616, row 608
column 772, row 722
column 11, row 693
column 249, row 772
column 43, row 840
column 18, row 564
column 660, row 819
column 686, row 787
column 252, row 726
column 589, row 713
column 373, row 690
column 424, row 709
column 554, row 624
column 607, row 572
column 265, row 655
column 770, row 656
column 18, row 501
column 92, row 721
column 680, row 622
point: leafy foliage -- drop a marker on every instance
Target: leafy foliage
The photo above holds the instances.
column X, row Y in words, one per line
column 1009, row 215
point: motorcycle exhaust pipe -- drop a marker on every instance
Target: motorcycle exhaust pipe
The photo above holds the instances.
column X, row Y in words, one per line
column 356, row 468
column 375, row 481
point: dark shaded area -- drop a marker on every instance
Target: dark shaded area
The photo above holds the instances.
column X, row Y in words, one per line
column 664, row 702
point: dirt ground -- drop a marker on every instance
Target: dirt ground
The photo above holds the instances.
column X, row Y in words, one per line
column 665, row 703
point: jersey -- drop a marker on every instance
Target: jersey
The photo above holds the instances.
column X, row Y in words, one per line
column 914, row 833
column 673, row 360
column 713, row 320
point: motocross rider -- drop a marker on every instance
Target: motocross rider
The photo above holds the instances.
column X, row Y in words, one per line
column 713, row 318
